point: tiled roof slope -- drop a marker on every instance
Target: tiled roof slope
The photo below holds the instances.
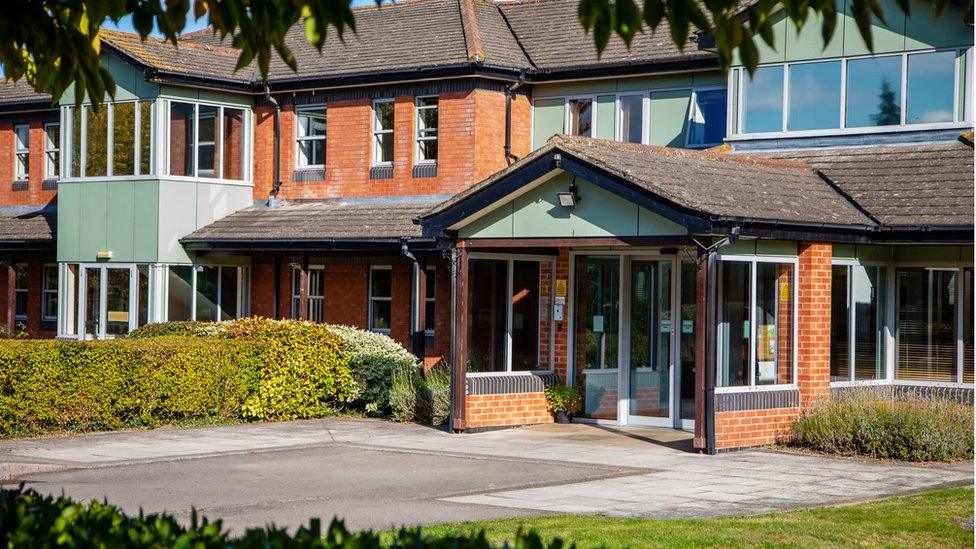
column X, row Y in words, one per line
column 37, row 226
column 926, row 184
column 369, row 219
column 20, row 92
column 190, row 58
column 709, row 183
column 551, row 34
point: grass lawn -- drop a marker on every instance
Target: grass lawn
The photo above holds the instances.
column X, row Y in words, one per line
column 930, row 519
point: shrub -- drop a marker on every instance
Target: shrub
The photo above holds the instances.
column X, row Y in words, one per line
column 48, row 385
column 887, row 428
column 422, row 397
column 175, row 328
column 403, row 393
column 373, row 359
column 562, row 397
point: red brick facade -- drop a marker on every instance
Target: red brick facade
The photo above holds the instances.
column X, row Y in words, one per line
column 507, row 410
column 752, row 427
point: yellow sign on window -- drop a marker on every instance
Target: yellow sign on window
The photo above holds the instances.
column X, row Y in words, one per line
column 118, row 316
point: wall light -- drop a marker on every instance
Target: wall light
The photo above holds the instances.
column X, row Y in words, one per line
column 569, row 199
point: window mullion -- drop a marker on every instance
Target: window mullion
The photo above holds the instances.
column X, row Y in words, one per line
column 904, row 88
column 196, row 141
column 752, row 323
column 110, row 139
column 852, row 328
column 960, row 321
column 509, row 282
column 137, row 140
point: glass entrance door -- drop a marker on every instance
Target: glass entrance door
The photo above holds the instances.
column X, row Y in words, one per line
column 107, row 306
column 651, row 334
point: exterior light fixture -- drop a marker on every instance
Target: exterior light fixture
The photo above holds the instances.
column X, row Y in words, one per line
column 569, row 199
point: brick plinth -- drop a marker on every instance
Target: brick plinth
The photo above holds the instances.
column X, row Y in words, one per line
column 507, row 410
column 752, row 427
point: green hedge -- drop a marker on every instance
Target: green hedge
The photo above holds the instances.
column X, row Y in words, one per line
column 29, row 519
column 421, row 396
column 887, row 428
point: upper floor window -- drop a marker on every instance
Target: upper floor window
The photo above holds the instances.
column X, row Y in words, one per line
column 52, row 150
column 383, row 132
column 310, row 136
column 206, row 141
column 21, row 151
column 630, row 118
column 114, row 141
column 853, row 95
column 580, row 117
column 427, row 129
column 707, row 117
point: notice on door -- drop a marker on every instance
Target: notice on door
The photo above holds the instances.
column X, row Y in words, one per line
column 118, row 316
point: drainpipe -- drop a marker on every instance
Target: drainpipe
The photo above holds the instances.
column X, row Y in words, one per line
column 509, row 90
column 416, row 341
column 276, row 169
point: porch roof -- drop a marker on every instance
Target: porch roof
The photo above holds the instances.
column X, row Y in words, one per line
column 27, row 229
column 321, row 225
column 707, row 186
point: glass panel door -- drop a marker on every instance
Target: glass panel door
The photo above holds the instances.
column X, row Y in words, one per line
column 597, row 334
column 107, row 303
column 93, row 302
column 650, row 339
column 118, row 301
column 686, row 338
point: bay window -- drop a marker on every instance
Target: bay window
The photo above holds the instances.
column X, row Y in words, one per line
column 427, row 129
column 21, row 151
column 757, row 322
column 383, row 132
column 858, row 319
column 115, row 141
column 310, row 136
column 207, row 141
column 855, row 94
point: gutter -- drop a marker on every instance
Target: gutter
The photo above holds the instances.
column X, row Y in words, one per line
column 276, row 163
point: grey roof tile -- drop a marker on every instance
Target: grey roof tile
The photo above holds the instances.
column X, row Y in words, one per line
column 12, row 93
column 33, row 226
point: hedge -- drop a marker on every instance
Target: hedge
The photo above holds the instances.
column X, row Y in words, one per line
column 30, row 519
column 883, row 427
column 256, row 370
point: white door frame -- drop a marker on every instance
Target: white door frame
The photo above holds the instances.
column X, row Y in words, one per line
column 102, row 269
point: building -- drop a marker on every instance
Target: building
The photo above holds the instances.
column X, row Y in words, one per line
column 693, row 250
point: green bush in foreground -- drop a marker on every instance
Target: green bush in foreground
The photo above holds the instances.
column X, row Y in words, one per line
column 29, row 519
column 886, row 428
column 373, row 359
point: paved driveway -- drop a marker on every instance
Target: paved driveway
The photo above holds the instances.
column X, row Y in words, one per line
column 377, row 474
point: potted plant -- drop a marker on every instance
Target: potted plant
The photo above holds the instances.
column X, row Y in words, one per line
column 564, row 401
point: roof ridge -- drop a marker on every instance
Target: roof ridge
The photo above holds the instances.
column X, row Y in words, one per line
column 473, row 45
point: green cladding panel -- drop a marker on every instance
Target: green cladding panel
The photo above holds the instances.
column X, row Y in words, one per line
column 548, row 118
column 107, row 216
column 669, row 117
column 130, row 82
column 537, row 214
column 605, row 116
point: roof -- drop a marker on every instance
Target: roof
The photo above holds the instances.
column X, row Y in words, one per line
column 20, row 93
column 909, row 185
column 711, row 184
column 189, row 57
column 366, row 219
column 18, row 226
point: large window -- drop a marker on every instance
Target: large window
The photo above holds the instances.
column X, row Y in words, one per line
column 756, row 326
column 857, row 94
column 503, row 315
column 21, row 151
column 380, row 298
column 207, row 141
column 52, row 150
column 707, row 120
column 49, row 294
column 931, row 326
column 426, row 129
column 20, row 290
column 580, row 121
column 206, row 292
column 383, row 132
column 316, row 293
column 310, row 136
column 114, row 141
column 631, row 118
column 858, row 311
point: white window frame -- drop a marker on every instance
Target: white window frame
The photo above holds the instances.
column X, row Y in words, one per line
column 887, row 273
column 376, row 131
column 753, row 260
column 243, row 289
column 735, row 130
column 247, row 144
column 52, row 148
column 296, row 291
column 25, row 291
column 143, row 107
column 567, row 115
column 372, row 298
column 618, row 130
column 46, row 293
column 691, row 116
column 430, row 299
column 299, row 138
column 418, row 138
column 21, row 151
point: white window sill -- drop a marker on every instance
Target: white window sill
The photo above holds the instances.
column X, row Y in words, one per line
column 757, row 388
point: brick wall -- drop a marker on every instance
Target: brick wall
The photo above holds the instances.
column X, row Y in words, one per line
column 561, row 335
column 471, row 136
column 507, row 410
column 35, row 195
column 35, row 328
column 752, row 427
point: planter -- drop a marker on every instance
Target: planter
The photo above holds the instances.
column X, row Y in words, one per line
column 563, row 417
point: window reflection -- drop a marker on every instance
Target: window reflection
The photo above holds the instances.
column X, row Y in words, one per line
column 931, row 86
column 581, row 117
column 814, row 96
column 708, row 118
column 873, row 92
column 763, row 100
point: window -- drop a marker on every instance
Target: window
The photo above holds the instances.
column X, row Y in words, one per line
column 208, row 164
column 382, row 132
column 580, row 120
column 757, row 323
column 20, row 289
column 707, row 119
column 52, row 150
column 316, row 293
column 21, row 151
column 206, row 292
column 49, row 297
column 931, row 343
column 380, row 297
column 426, row 129
column 182, row 132
column 862, row 94
column 857, row 336
column 631, row 118
column 814, row 96
column 127, row 126
column 430, row 286
column 310, row 137
column 207, row 141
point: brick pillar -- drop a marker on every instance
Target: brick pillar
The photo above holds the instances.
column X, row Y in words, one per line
column 813, row 347
column 561, row 335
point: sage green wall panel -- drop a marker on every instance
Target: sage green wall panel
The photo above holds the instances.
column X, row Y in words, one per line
column 924, row 30
column 709, row 79
column 888, row 36
column 69, row 221
column 180, row 92
column 130, row 82
column 548, row 119
column 93, row 210
column 652, row 224
column 145, row 230
column 867, row 252
column 629, row 84
column 808, row 43
column 605, row 116
column 843, row 251
column 120, row 221
column 932, row 254
column 669, row 117
column 497, row 223
column 783, row 248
